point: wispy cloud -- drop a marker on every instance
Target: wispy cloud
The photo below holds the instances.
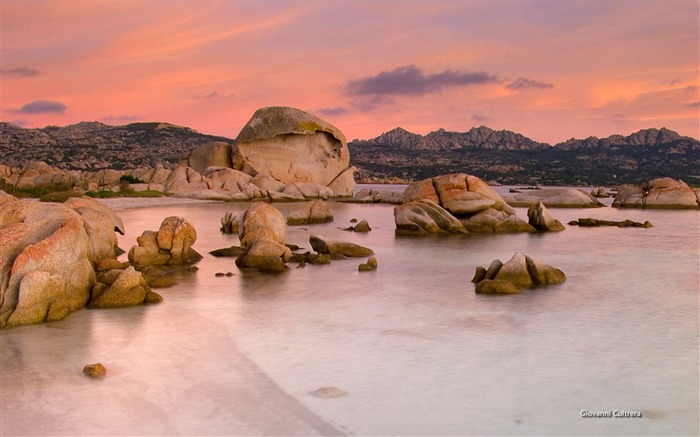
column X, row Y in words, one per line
column 213, row 95
column 522, row 83
column 20, row 72
column 412, row 81
column 40, row 107
column 481, row 118
column 338, row 110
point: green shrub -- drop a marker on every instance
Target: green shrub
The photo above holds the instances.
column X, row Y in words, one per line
column 131, row 179
column 36, row 192
column 59, row 196
column 124, row 193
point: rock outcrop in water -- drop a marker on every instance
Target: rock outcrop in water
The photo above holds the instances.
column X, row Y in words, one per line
column 657, row 193
column 540, row 219
column 591, row 222
column 49, row 254
column 171, row 244
column 262, row 231
column 554, row 198
column 455, row 203
column 323, row 245
column 316, row 211
column 520, row 271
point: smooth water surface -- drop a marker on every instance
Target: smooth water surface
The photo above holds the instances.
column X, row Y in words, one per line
column 416, row 350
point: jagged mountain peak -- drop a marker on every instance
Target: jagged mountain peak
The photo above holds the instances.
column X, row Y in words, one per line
column 651, row 136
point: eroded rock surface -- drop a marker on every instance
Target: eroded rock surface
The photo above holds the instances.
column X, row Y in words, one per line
column 262, row 231
column 520, row 271
column 455, row 203
column 657, row 193
column 291, row 145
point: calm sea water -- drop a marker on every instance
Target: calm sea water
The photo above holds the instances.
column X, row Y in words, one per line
column 416, row 350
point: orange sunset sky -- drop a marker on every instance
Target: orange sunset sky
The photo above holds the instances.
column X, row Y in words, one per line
column 551, row 70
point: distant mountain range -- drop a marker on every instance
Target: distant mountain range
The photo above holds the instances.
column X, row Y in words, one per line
column 511, row 158
column 502, row 156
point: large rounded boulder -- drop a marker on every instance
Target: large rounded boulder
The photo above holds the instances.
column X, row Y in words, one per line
column 294, row 146
column 45, row 261
column 657, row 193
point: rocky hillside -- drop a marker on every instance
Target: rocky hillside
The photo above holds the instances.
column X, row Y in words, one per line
column 510, row 158
column 95, row 146
column 502, row 156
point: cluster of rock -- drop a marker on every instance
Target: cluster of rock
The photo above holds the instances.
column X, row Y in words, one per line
column 361, row 226
column 600, row 193
column 171, row 244
column 48, row 256
column 455, row 203
column 657, row 193
column 60, row 257
column 262, row 233
column 368, row 195
column 520, row 271
column 281, row 154
column 326, row 250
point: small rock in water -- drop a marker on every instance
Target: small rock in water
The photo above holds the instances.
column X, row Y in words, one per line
column 370, row 265
column 328, row 392
column 363, row 226
column 153, row 297
column 95, row 370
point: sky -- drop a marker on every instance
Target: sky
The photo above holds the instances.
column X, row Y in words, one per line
column 550, row 70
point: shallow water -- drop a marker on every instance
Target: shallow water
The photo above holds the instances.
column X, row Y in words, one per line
column 416, row 350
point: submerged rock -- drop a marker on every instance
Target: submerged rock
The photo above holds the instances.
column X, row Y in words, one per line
column 591, row 222
column 328, row 392
column 229, row 223
column 317, row 211
column 324, row 246
column 555, row 198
